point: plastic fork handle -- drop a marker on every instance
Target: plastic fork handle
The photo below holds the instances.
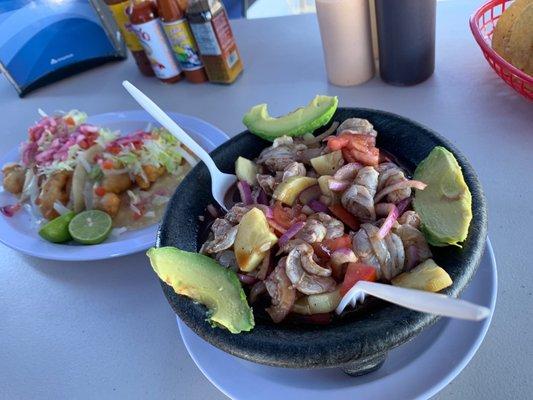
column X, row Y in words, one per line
column 419, row 300
column 160, row 116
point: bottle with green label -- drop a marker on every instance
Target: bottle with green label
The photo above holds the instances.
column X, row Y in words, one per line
column 181, row 40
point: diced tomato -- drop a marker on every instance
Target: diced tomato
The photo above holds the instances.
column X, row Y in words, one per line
column 357, row 272
column 369, row 156
column 99, row 191
column 356, row 147
column 341, row 213
column 83, row 144
column 337, row 243
column 114, row 148
column 338, row 142
column 281, row 216
column 137, row 216
column 107, row 164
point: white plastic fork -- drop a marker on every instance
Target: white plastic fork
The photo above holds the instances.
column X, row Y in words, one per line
column 220, row 182
column 419, row 300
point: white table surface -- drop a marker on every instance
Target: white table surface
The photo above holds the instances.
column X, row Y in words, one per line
column 104, row 329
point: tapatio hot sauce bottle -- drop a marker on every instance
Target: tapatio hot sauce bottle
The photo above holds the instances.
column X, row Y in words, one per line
column 146, row 26
column 180, row 38
column 120, row 10
column 212, row 31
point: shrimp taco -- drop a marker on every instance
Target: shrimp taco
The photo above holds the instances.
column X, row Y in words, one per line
column 68, row 165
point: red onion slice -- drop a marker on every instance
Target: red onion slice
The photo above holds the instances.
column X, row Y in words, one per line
column 389, row 221
column 318, row 206
column 291, row 232
column 338, row 186
column 10, row 209
column 398, row 186
column 245, row 191
column 247, row 279
column 311, row 193
column 262, row 197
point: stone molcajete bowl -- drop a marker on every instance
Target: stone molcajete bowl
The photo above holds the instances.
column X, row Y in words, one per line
column 358, row 342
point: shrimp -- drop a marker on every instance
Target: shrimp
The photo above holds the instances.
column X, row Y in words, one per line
column 334, row 227
column 357, row 125
column 55, row 188
column 151, row 174
column 109, row 202
column 283, row 152
column 415, row 245
column 390, row 174
column 313, row 231
column 116, row 183
column 358, row 199
column 293, row 169
column 224, row 236
column 14, row 176
column 386, row 255
column 305, row 275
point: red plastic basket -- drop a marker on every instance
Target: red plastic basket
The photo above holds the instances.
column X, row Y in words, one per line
column 482, row 24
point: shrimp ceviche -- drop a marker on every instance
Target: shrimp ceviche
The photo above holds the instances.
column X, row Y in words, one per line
column 315, row 215
column 336, row 212
column 68, row 166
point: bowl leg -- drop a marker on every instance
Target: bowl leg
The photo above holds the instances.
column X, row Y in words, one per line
column 364, row 366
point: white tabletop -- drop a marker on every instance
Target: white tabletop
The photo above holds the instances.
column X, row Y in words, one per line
column 104, row 329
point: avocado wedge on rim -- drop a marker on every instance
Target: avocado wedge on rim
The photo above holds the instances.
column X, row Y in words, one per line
column 296, row 123
column 202, row 279
column 445, row 205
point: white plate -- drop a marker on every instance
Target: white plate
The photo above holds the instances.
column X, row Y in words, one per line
column 19, row 233
column 417, row 370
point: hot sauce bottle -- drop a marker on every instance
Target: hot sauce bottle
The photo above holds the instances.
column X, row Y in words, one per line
column 120, row 9
column 180, row 37
column 146, row 26
column 211, row 29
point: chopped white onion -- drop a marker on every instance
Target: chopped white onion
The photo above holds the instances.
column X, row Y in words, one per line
column 60, row 208
column 41, row 112
column 149, row 214
column 134, row 199
column 83, row 161
column 118, row 231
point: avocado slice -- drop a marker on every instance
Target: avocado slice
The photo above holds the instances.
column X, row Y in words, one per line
column 296, row 123
column 204, row 280
column 445, row 205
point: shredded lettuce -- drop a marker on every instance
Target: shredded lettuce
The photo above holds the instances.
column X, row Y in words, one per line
column 105, row 136
column 96, row 173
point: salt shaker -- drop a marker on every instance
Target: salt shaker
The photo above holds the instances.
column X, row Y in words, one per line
column 406, row 37
column 346, row 40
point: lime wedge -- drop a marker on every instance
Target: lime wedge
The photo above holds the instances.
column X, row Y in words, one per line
column 90, row 227
column 56, row 231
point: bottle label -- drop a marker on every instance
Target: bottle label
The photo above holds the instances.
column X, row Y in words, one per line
column 120, row 13
column 206, row 39
column 155, row 45
column 225, row 38
column 180, row 37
